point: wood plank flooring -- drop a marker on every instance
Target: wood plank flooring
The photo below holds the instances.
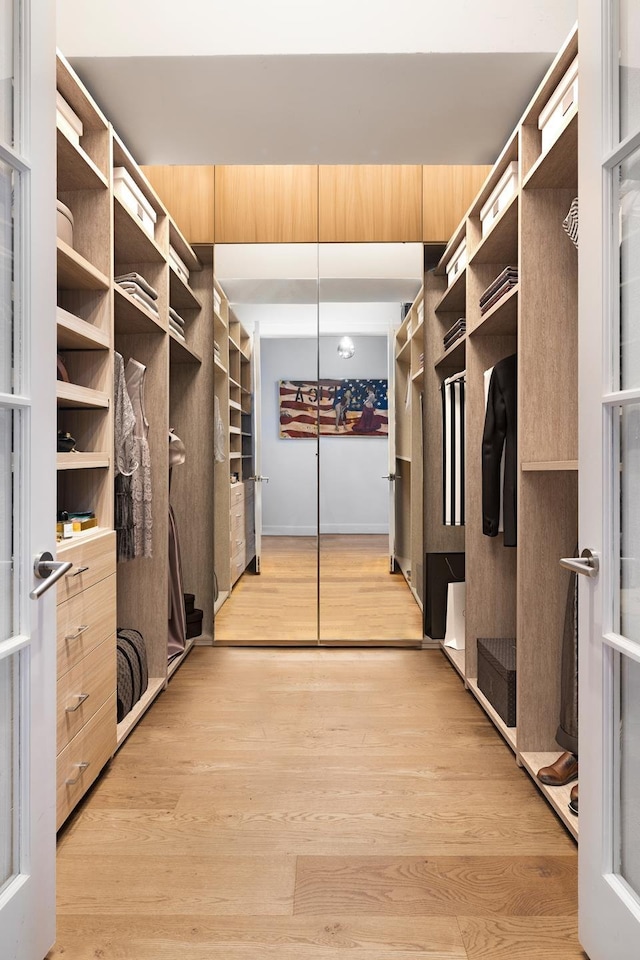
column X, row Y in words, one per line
column 315, row 805
column 359, row 600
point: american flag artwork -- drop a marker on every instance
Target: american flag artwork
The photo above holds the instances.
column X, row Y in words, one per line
column 341, row 408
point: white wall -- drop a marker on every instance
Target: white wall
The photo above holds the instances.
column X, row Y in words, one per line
column 353, row 495
column 243, row 27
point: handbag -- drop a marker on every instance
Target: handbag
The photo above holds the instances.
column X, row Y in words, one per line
column 455, row 632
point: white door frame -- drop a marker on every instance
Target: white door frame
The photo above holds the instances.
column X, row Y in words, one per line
column 609, row 917
column 258, row 479
column 27, row 904
column 391, row 444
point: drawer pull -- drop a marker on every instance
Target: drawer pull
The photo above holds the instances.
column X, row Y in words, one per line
column 81, row 629
column 80, row 697
column 81, row 767
column 77, row 572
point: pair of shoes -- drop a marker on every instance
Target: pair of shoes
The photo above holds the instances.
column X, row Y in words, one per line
column 573, row 800
column 564, row 770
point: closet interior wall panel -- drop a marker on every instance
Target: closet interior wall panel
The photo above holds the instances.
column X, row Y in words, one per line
column 188, row 192
column 447, row 193
column 266, row 204
column 370, row 203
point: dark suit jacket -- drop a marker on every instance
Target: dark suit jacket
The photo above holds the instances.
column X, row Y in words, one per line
column 500, row 428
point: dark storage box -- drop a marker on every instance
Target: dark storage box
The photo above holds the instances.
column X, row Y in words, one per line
column 189, row 602
column 497, row 675
column 194, row 623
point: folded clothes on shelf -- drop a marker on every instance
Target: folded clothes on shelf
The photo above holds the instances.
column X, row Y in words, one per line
column 138, row 293
column 454, row 333
column 140, row 281
column 175, row 317
column 177, row 331
column 503, row 283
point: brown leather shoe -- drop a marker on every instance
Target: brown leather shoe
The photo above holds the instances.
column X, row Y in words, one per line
column 573, row 800
column 564, row 770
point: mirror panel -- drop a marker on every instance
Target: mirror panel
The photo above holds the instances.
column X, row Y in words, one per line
column 368, row 398
column 273, row 484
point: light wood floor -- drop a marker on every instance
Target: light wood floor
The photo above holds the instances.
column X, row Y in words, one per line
column 359, row 600
column 316, row 805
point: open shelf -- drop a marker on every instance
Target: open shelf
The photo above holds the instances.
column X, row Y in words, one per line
column 457, row 658
column 181, row 352
column 558, row 797
column 181, row 296
column 404, row 353
column 416, row 376
column 500, row 245
column 132, row 244
column 547, row 465
column 454, row 357
column 501, row 319
column 509, row 733
column 558, row 167
column 454, row 297
column 131, row 316
column 83, row 461
column 178, row 660
column 235, row 406
column 183, row 249
column 219, row 364
column 76, row 334
column 70, row 395
column 124, row 728
column 76, row 169
column 76, row 273
column 399, row 456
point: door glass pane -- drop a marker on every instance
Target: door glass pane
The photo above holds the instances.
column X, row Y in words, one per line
column 629, row 788
column 629, row 221
column 7, row 624
column 629, row 67
column 6, row 70
column 8, row 771
column 9, row 282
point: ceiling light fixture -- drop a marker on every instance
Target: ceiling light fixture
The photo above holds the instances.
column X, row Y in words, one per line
column 346, row 348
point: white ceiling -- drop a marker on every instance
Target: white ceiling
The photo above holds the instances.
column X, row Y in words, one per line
column 320, row 81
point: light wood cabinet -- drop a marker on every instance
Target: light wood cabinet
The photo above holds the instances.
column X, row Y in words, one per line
column 447, row 193
column 516, row 592
column 266, row 204
column 360, row 203
column 188, row 192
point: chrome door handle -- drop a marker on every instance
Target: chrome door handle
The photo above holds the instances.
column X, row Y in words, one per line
column 587, row 563
column 390, row 476
column 49, row 571
column 260, row 479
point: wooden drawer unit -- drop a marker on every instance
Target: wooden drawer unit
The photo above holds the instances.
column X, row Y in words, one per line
column 93, row 560
column 237, row 494
column 84, row 689
column 84, row 621
column 237, row 566
column 237, row 528
column 84, row 757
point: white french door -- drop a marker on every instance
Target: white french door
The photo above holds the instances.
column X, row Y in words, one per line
column 609, row 611
column 257, row 444
column 391, row 446
column 27, row 477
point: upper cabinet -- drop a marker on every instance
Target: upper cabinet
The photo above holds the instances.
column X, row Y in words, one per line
column 265, row 204
column 360, row 204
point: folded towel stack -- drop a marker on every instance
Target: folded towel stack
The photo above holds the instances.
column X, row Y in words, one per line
column 176, row 324
column 503, row 283
column 138, row 288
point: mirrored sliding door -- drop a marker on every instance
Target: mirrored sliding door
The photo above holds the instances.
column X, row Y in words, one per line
column 370, row 444
column 266, row 489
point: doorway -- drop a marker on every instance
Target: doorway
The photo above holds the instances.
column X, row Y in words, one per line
column 320, row 478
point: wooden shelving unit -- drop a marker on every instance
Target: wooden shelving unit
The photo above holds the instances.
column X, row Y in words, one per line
column 126, row 726
column 409, row 386
column 131, row 316
column 75, row 272
column 518, row 591
column 70, row 395
column 83, row 461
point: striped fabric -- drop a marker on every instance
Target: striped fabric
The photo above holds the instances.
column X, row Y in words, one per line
column 571, row 223
column 453, row 450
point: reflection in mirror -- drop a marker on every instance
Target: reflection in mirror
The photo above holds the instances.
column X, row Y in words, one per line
column 370, row 492
column 266, row 504
column 332, row 417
